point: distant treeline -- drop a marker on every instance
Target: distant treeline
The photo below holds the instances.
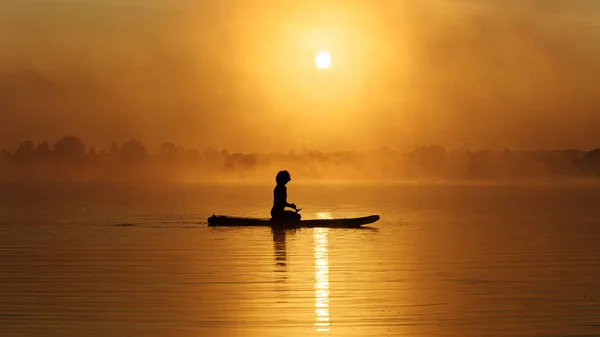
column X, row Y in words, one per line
column 69, row 159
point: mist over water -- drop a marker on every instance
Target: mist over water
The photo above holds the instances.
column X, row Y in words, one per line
column 71, row 160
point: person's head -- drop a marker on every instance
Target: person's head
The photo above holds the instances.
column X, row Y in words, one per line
column 283, row 177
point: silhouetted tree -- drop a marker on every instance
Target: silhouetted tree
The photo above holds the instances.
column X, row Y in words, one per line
column 560, row 163
column 168, row 151
column 240, row 160
column 591, row 162
column 114, row 149
column 43, row 151
column 430, row 159
column 70, row 148
column 25, row 151
column 133, row 151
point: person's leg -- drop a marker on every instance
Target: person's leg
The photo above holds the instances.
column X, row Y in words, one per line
column 291, row 216
column 285, row 217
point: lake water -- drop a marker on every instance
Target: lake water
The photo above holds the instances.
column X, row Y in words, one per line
column 444, row 260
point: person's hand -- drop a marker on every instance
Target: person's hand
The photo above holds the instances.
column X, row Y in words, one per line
column 293, row 206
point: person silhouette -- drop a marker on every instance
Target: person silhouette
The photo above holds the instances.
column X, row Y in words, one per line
column 278, row 212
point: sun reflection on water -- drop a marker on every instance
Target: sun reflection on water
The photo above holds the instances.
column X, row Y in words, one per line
column 321, row 280
column 324, row 215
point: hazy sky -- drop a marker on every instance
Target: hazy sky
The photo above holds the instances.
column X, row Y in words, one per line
column 240, row 74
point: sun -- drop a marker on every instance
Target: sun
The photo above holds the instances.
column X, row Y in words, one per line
column 323, row 60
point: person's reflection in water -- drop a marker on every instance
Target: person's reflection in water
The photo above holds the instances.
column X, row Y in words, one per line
column 279, row 243
column 280, row 249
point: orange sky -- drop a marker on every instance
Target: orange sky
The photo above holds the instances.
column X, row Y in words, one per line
column 240, row 74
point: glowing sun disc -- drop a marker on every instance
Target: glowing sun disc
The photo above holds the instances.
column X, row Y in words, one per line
column 323, row 60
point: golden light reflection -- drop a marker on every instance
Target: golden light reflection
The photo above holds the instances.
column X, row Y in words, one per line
column 321, row 280
column 324, row 215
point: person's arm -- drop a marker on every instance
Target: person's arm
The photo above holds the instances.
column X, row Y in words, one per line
column 285, row 200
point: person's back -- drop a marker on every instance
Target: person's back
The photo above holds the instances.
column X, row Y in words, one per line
column 279, row 199
column 278, row 211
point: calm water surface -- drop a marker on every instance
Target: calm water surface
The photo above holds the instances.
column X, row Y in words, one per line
column 132, row 260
